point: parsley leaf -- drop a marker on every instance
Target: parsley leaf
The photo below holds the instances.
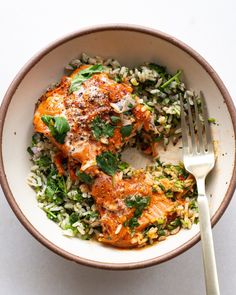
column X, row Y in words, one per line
column 126, row 130
column 74, row 217
column 100, row 128
column 139, row 203
column 58, row 127
column 115, row 119
column 133, row 222
column 108, row 163
column 123, row 165
column 43, row 161
column 46, row 119
column 56, row 187
column 84, row 177
column 173, row 224
column 84, row 75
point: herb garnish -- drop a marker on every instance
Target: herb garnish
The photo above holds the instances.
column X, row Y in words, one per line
column 101, row 128
column 84, row 177
column 74, row 217
column 29, row 150
column 159, row 69
column 123, row 165
column 115, row 119
column 43, row 161
column 139, row 203
column 126, row 130
column 173, row 224
column 58, row 127
column 174, row 78
column 56, row 187
column 84, row 75
column 158, row 138
column 108, row 163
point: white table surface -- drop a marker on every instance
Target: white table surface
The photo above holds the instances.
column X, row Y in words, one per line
column 27, row 267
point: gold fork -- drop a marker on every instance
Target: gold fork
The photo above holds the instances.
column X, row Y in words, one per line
column 199, row 160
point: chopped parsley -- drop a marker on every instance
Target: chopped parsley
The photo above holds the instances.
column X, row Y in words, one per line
column 55, row 191
column 115, row 119
column 108, row 163
column 139, row 203
column 51, row 215
column 100, row 128
column 74, row 217
column 173, row 78
column 159, row 69
column 173, row 224
column 84, row 177
column 133, row 222
column 126, row 130
column 123, row 165
column 43, row 161
column 58, row 127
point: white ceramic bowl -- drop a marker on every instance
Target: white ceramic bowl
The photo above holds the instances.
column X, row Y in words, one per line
column 131, row 45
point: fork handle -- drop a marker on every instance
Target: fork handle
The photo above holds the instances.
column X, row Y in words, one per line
column 211, row 278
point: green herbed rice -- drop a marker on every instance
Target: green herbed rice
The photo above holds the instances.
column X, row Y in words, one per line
column 71, row 205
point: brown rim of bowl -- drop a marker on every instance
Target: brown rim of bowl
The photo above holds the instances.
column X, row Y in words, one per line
column 4, row 107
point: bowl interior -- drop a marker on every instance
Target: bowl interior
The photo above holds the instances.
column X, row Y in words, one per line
column 131, row 48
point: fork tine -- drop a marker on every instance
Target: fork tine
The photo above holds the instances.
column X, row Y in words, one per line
column 200, row 146
column 184, row 127
column 209, row 146
column 191, row 127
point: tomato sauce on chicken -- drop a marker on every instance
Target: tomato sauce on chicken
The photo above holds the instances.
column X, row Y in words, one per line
column 110, row 199
column 98, row 96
